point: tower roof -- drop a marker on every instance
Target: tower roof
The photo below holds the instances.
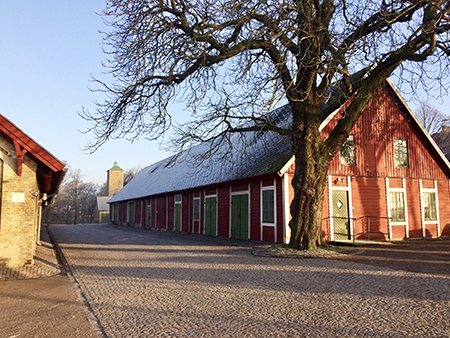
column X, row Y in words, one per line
column 116, row 167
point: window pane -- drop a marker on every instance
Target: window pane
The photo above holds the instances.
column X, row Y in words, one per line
column 429, row 206
column 268, row 206
column 397, row 205
column 196, row 209
column 401, row 153
column 347, row 153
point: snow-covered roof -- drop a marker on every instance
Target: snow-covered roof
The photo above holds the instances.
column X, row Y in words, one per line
column 102, row 203
column 252, row 154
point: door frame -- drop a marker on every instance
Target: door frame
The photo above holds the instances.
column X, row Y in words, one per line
column 242, row 192
column 331, row 188
column 204, row 214
column 175, row 203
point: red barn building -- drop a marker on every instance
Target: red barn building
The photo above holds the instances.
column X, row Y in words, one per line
column 389, row 181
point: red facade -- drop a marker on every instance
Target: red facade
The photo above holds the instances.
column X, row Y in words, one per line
column 385, row 200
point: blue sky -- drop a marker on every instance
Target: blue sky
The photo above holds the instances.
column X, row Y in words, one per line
column 48, row 51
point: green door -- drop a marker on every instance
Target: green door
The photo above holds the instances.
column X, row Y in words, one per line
column 131, row 214
column 341, row 221
column 115, row 214
column 105, row 218
column 239, row 216
column 177, row 217
column 148, row 223
column 210, row 216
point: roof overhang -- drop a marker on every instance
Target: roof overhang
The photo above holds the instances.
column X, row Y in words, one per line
column 50, row 171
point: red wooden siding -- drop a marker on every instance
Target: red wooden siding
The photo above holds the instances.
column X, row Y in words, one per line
column 137, row 212
column 428, row 184
column 161, row 212
column 255, row 211
column 223, row 211
column 171, row 212
column 444, row 207
column 414, row 208
column 384, row 121
column 185, row 213
column 369, row 207
column 239, row 187
column 395, row 183
column 268, row 234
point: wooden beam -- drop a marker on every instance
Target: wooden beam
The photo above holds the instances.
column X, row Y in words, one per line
column 20, row 154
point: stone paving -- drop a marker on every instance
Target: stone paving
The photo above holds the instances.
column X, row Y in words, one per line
column 142, row 283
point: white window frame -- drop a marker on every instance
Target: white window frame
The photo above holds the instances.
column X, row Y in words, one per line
column 388, row 203
column 196, row 200
column 350, row 137
column 205, row 196
column 128, row 211
column 266, row 188
column 266, row 224
column 422, row 208
column 407, row 154
column 181, row 210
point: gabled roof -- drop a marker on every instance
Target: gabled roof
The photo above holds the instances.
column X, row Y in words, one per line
column 264, row 153
column 50, row 170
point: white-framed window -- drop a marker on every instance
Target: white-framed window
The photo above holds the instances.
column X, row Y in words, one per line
column 397, row 206
column 178, row 199
column 196, row 207
column 268, row 211
column 429, row 206
column 401, row 153
column 347, row 153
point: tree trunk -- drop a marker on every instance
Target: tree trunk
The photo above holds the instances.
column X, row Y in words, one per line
column 310, row 177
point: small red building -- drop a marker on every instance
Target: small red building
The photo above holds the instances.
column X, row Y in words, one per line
column 389, row 181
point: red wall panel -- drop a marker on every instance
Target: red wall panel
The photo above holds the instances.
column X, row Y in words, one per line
column 414, row 208
column 369, row 204
column 161, row 213
column 444, row 207
column 255, row 210
column 223, row 200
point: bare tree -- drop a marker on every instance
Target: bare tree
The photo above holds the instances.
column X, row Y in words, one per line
column 76, row 200
column 231, row 62
column 431, row 118
column 129, row 174
column 103, row 190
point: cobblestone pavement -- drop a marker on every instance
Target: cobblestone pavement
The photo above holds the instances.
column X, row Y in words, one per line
column 142, row 283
